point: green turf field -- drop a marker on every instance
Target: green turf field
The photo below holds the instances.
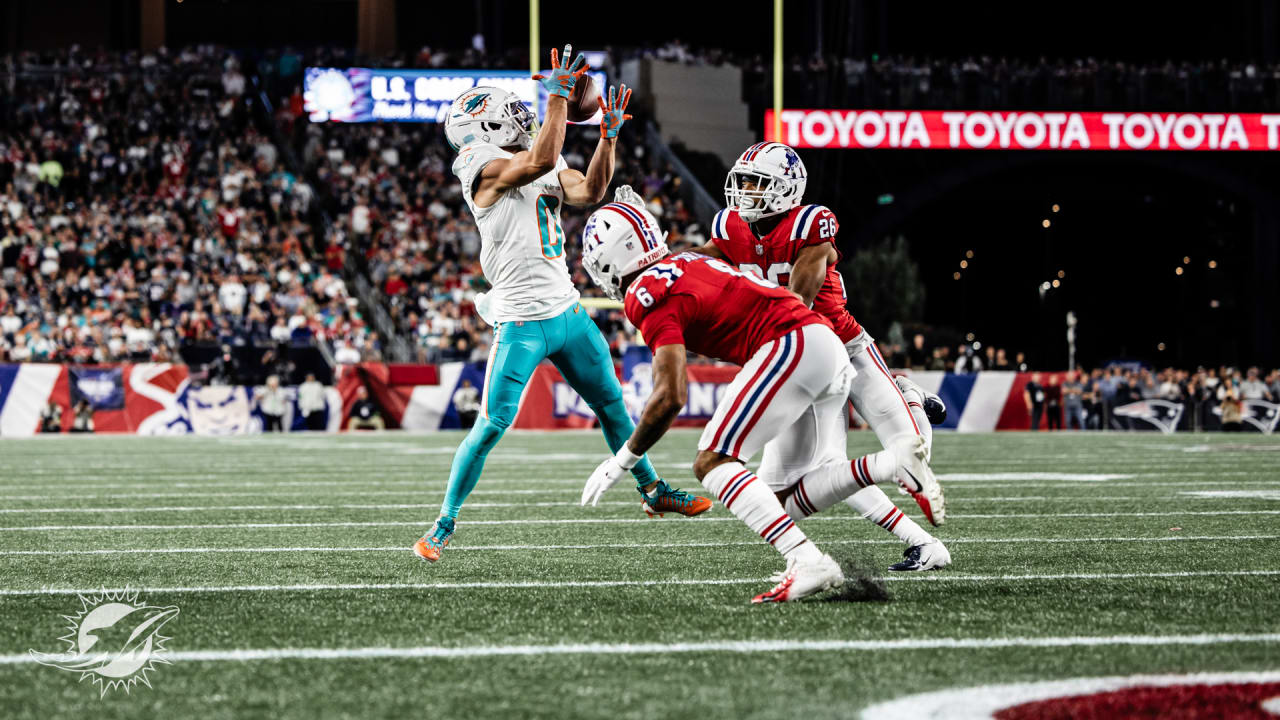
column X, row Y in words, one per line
column 288, row 558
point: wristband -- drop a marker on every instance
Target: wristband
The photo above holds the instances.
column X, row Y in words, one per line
column 626, row 458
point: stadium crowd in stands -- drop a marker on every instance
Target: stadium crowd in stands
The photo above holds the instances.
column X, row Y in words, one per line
column 999, row 83
column 142, row 210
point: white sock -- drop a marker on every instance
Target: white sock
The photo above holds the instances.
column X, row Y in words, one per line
column 829, row 484
column 872, row 504
column 751, row 500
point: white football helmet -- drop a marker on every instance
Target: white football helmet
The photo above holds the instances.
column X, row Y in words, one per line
column 777, row 177
column 489, row 115
column 619, row 239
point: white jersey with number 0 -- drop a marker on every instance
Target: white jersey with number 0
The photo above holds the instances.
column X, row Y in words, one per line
column 521, row 241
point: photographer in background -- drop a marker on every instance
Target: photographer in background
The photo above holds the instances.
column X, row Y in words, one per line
column 365, row 414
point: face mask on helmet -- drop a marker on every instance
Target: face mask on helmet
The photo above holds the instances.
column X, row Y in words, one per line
column 755, row 195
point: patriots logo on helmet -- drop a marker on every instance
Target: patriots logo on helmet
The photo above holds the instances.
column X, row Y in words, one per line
column 792, row 159
column 475, row 104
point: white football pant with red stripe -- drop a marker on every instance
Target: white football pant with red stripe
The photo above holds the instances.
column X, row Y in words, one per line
column 804, row 370
column 877, row 398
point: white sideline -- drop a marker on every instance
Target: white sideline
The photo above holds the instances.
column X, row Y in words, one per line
column 635, row 546
column 912, row 577
column 589, row 520
column 721, row 646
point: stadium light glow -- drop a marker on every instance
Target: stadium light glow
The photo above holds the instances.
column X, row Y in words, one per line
column 1213, row 264
column 1045, row 222
column 1062, row 273
column 968, row 254
column 1160, row 347
column 1177, row 271
column 955, row 275
column 964, row 264
column 1186, row 259
column 1056, row 283
column 1055, row 207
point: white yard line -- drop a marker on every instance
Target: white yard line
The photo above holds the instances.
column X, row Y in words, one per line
column 531, row 584
column 715, row 646
column 1233, row 495
column 591, row 520
column 632, row 546
column 344, row 506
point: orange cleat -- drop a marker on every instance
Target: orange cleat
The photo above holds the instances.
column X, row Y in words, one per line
column 430, row 546
column 668, row 499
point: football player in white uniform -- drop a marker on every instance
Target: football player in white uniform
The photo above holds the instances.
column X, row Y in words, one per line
column 515, row 186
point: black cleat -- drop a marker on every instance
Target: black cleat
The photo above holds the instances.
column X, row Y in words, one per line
column 932, row 555
column 934, row 409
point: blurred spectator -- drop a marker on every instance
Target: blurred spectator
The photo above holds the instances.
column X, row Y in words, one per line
column 82, row 422
column 1073, row 393
column 1053, row 404
column 364, row 413
column 311, row 403
column 466, row 400
column 1232, row 412
column 1034, row 396
column 272, row 401
column 51, row 418
column 1253, row 388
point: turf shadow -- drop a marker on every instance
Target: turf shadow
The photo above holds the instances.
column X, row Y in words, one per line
column 862, row 582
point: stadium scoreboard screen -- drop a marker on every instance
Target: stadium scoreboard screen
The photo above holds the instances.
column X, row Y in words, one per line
column 361, row 95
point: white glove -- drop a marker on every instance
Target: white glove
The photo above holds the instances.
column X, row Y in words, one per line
column 606, row 475
column 626, row 195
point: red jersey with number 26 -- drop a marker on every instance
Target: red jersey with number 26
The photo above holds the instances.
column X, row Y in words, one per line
column 772, row 256
column 711, row 308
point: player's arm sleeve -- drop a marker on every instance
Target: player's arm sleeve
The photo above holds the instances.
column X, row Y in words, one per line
column 718, row 242
column 471, row 162
column 816, row 225
column 663, row 323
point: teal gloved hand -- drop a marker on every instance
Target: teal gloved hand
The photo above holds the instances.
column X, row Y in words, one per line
column 613, row 111
column 561, row 80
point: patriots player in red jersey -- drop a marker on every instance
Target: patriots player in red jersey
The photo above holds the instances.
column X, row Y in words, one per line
column 768, row 231
column 788, row 398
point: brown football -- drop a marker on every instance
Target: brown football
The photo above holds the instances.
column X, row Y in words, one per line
column 583, row 100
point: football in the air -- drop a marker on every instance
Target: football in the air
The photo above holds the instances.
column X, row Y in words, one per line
column 583, row 100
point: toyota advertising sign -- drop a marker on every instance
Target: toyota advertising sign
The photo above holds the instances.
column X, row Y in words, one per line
column 974, row 130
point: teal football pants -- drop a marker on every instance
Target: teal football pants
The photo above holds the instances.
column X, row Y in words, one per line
column 575, row 346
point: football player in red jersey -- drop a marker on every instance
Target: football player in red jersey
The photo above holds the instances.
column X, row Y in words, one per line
column 788, row 397
column 766, row 230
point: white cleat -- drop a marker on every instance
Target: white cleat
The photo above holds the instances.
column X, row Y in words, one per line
column 932, row 555
column 804, row 579
column 916, row 477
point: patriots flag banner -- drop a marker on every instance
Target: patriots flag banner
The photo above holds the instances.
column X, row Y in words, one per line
column 1163, row 414
column 102, row 388
column 1262, row 415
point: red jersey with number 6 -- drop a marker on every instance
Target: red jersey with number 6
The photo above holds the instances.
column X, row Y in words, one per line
column 711, row 308
column 772, row 256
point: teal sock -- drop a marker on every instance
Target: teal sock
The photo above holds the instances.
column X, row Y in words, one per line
column 617, row 426
column 468, row 462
